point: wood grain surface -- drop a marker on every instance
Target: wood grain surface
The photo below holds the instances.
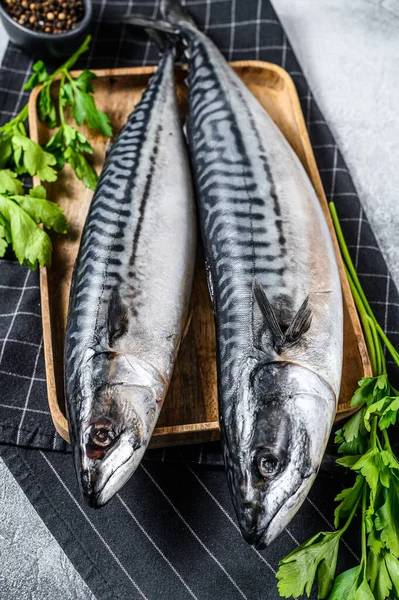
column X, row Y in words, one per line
column 190, row 412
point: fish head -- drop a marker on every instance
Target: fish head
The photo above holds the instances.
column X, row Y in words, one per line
column 274, row 441
column 121, row 400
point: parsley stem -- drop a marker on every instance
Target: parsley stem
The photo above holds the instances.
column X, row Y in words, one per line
column 356, row 285
column 364, row 541
column 380, row 358
column 60, row 107
column 373, row 439
column 386, row 440
column 20, row 118
column 392, row 350
column 352, row 513
column 347, row 258
column 68, row 76
column 365, row 319
column 72, row 60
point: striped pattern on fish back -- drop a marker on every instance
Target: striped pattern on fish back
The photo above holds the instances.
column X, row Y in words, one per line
column 113, row 223
column 240, row 212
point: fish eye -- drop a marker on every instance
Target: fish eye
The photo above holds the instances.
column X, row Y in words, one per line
column 268, row 464
column 102, row 437
column 101, row 433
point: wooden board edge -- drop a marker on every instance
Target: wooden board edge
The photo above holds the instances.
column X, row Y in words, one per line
column 187, row 428
column 59, row 420
column 315, row 177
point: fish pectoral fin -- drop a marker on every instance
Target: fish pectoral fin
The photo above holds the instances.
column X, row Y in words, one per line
column 299, row 324
column 297, row 328
column 118, row 318
column 268, row 314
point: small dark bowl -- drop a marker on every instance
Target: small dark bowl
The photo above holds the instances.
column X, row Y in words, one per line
column 47, row 46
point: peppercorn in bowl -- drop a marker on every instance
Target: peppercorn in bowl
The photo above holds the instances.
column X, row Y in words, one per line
column 46, row 28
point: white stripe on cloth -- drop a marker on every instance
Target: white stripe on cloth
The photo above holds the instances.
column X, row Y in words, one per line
column 331, row 526
column 94, row 528
column 25, row 408
column 13, row 318
column 22, row 376
column 257, row 30
column 226, row 514
column 233, row 24
column 191, row 530
column 157, row 548
column 29, row 391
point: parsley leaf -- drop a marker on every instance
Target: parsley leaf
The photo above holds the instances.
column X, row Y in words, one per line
column 387, row 517
column 390, row 414
column 69, row 145
column 355, row 425
column 377, row 573
column 349, row 497
column 376, row 409
column 371, row 467
column 42, row 210
column 39, row 75
column 78, row 95
column 46, row 107
column 357, row 445
column 298, row 570
column 30, row 243
column 345, row 585
column 32, row 158
column 371, row 389
column 9, row 184
column 6, row 150
column 19, row 219
column 392, row 565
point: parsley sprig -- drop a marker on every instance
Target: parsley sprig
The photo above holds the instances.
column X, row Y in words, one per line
column 366, row 450
column 20, row 213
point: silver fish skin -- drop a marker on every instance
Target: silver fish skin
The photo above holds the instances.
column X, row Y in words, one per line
column 275, row 287
column 130, row 292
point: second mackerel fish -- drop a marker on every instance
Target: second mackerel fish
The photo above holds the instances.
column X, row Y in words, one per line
column 275, row 287
column 130, row 292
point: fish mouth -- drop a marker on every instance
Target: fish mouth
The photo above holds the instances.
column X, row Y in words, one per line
column 100, row 481
column 261, row 539
column 96, row 498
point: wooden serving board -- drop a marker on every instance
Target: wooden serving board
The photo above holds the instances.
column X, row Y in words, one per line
column 190, row 412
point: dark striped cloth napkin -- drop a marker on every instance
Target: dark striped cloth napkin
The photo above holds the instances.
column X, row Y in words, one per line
column 171, row 532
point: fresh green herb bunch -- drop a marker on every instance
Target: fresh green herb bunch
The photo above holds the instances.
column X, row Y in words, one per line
column 366, row 449
column 19, row 155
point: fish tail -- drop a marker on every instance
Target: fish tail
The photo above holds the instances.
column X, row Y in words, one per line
column 149, row 24
column 164, row 41
column 175, row 13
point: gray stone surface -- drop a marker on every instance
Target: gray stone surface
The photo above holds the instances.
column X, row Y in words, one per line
column 32, row 564
column 349, row 52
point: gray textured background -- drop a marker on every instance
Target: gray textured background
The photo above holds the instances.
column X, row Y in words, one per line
column 349, row 52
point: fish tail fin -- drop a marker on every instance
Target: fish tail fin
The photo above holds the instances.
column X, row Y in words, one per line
column 147, row 23
column 160, row 39
column 164, row 34
column 164, row 41
column 174, row 12
column 297, row 328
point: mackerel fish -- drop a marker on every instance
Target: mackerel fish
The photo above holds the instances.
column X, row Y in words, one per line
column 275, row 287
column 130, row 292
